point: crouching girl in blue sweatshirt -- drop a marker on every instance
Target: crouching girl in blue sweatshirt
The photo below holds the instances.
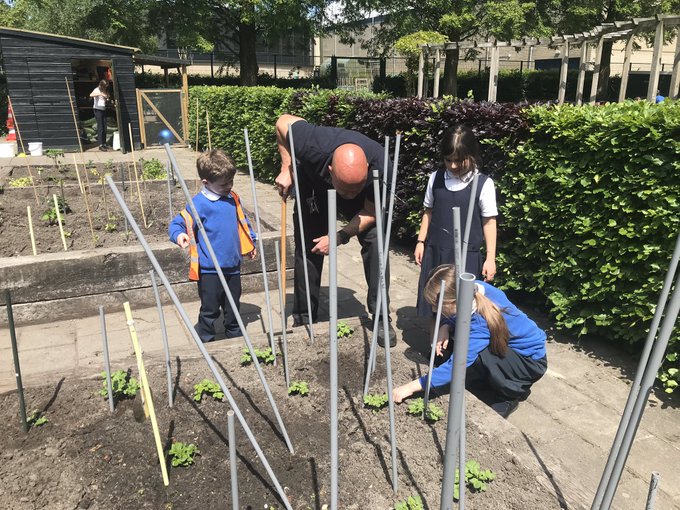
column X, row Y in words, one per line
column 506, row 354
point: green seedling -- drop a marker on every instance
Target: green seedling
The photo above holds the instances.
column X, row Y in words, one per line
column 122, row 385
column 265, row 356
column 50, row 215
column 344, row 330
column 375, row 402
column 37, row 419
column 183, row 454
column 153, row 169
column 21, row 182
column 54, row 155
column 208, row 387
column 434, row 412
column 298, row 388
column 412, row 503
column 475, row 478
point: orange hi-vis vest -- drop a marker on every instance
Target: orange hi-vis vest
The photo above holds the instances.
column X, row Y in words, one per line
column 247, row 244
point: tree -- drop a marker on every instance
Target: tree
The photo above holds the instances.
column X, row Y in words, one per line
column 409, row 46
column 238, row 25
column 122, row 22
column 459, row 20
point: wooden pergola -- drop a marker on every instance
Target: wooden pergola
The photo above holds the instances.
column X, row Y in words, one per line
column 595, row 38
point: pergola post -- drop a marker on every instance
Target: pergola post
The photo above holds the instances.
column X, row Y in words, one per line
column 493, row 74
column 596, row 70
column 675, row 77
column 421, row 72
column 564, row 67
column 437, row 70
column 656, row 63
column 185, row 104
column 582, row 72
column 626, row 66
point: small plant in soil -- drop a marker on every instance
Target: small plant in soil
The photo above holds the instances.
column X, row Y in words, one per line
column 344, row 330
column 37, row 419
column 411, row 503
column 298, row 388
column 183, row 454
column 265, row 356
column 21, row 182
column 209, row 388
column 375, row 402
column 434, row 412
column 153, row 169
column 54, row 155
column 50, row 215
column 123, row 385
column 476, row 478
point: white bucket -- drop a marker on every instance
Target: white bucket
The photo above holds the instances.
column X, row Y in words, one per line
column 116, row 141
column 35, row 148
column 8, row 149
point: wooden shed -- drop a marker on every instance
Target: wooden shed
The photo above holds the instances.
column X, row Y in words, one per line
column 50, row 78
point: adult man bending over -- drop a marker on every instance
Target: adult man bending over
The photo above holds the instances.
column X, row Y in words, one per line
column 340, row 159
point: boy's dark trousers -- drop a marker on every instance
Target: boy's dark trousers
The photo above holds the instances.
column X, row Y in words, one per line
column 213, row 298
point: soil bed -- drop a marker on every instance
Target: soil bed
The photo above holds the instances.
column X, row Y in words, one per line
column 108, row 223
column 85, row 457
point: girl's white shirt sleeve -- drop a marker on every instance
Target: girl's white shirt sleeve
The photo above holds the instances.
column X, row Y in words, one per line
column 487, row 197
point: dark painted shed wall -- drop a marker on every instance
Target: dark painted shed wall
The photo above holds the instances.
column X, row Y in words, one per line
column 35, row 67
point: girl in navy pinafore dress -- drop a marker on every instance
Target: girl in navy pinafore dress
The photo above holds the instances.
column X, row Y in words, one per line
column 451, row 187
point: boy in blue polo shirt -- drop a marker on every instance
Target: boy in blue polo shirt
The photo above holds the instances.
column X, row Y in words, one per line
column 230, row 236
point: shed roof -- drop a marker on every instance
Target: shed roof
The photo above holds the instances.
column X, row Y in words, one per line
column 64, row 39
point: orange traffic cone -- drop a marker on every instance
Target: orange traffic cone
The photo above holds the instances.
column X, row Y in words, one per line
column 11, row 135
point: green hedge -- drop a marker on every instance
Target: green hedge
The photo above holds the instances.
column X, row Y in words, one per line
column 591, row 201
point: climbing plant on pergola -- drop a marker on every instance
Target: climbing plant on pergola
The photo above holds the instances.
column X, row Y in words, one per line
column 595, row 39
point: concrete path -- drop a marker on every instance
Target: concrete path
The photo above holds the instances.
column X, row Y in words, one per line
column 569, row 421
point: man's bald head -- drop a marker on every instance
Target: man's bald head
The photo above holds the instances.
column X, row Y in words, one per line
column 349, row 170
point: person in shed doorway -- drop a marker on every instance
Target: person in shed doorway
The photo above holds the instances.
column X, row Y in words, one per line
column 100, row 96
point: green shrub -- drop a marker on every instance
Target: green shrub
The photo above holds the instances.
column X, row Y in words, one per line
column 153, row 169
column 591, row 202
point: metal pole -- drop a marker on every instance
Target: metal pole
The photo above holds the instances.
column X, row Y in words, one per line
column 457, row 255
column 458, row 264
column 468, row 223
column 385, row 321
column 635, row 388
column 302, row 232
column 122, row 178
column 282, row 304
column 655, row 360
column 385, row 255
column 169, row 172
column 15, row 354
column 386, row 156
column 232, row 303
column 164, row 335
column 190, row 328
column 231, row 435
column 434, row 348
column 333, row 340
column 653, row 486
column 105, row 351
column 466, row 284
column 260, row 245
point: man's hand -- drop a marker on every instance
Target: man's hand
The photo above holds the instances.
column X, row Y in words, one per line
column 183, row 240
column 283, row 182
column 321, row 246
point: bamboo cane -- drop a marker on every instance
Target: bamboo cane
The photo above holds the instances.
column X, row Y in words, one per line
column 89, row 219
column 61, row 227
column 30, row 229
column 207, row 125
column 80, row 183
column 134, row 165
column 23, row 150
column 284, row 220
column 147, row 391
column 73, row 112
column 196, row 127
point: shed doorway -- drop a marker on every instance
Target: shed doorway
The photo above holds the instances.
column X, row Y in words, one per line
column 163, row 116
column 87, row 74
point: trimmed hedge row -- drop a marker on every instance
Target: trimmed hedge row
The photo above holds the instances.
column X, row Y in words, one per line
column 591, row 200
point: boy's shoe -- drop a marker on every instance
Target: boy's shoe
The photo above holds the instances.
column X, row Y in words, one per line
column 505, row 408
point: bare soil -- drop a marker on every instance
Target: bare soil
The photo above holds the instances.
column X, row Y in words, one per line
column 108, row 226
column 85, row 457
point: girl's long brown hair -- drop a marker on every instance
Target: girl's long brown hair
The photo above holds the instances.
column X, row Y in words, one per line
column 498, row 328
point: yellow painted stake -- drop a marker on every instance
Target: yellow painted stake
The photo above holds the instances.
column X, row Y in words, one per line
column 80, row 183
column 134, row 164
column 61, row 227
column 30, row 229
column 146, row 391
